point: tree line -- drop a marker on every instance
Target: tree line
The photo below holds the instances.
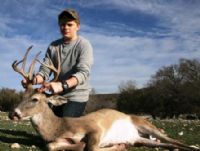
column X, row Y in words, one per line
column 173, row 90
column 9, row 98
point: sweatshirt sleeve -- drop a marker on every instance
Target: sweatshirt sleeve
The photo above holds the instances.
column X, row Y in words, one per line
column 84, row 62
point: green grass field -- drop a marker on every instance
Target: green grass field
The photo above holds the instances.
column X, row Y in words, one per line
column 23, row 134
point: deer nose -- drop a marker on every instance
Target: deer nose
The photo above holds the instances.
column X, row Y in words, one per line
column 11, row 115
column 15, row 115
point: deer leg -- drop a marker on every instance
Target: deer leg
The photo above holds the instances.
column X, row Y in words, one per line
column 93, row 144
column 116, row 147
column 153, row 144
column 65, row 145
column 148, row 129
column 93, row 141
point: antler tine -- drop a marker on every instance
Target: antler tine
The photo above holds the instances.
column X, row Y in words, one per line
column 25, row 57
column 30, row 72
column 51, row 66
column 20, row 71
column 23, row 61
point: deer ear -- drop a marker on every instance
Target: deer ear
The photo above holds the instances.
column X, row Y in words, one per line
column 57, row 100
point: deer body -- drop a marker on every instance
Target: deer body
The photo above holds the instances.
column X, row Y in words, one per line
column 51, row 127
column 105, row 130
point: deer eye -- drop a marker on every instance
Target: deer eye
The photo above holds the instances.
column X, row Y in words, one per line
column 34, row 100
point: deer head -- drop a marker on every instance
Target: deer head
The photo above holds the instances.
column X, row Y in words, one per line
column 33, row 102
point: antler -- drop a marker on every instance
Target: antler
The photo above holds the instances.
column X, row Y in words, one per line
column 28, row 76
column 51, row 66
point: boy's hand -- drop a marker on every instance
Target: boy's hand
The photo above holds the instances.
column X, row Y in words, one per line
column 53, row 87
column 38, row 79
column 24, row 83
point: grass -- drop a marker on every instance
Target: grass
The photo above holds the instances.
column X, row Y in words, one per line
column 23, row 134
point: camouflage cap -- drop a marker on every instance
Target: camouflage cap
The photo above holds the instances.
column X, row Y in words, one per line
column 69, row 14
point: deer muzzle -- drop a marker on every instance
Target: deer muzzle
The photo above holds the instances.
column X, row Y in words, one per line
column 15, row 115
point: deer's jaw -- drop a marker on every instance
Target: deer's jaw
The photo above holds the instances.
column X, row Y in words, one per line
column 37, row 119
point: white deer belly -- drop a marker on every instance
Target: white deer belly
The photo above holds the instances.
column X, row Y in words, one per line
column 121, row 131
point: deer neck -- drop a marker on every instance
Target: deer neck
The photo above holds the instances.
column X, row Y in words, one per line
column 47, row 124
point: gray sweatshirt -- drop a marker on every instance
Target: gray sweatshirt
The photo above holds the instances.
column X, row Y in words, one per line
column 76, row 60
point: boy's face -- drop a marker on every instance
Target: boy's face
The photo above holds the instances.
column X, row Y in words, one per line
column 69, row 29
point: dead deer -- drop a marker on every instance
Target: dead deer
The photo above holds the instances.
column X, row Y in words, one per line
column 105, row 130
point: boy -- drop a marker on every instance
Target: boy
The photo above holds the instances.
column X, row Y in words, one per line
column 76, row 61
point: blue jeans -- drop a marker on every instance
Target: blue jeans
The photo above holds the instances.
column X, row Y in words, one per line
column 73, row 109
column 70, row 109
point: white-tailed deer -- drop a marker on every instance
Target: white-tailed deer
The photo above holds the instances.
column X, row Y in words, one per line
column 105, row 130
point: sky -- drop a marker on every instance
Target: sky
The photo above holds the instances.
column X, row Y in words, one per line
column 131, row 39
